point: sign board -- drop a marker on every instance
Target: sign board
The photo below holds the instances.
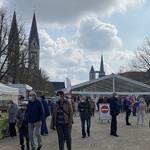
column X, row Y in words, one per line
column 104, row 111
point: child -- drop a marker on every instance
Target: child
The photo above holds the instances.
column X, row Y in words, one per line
column 22, row 124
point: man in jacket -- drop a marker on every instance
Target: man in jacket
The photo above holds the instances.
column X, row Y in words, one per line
column 114, row 112
column 85, row 115
column 22, row 124
column 44, row 130
column 63, row 116
column 35, row 116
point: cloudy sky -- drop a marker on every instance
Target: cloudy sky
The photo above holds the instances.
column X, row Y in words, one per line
column 74, row 33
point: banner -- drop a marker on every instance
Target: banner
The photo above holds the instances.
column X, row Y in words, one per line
column 104, row 111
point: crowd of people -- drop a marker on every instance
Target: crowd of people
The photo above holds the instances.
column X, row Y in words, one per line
column 31, row 116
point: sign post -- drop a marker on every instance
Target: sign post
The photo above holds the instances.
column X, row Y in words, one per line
column 104, row 112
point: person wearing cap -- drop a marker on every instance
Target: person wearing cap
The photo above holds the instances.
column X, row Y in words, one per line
column 84, row 108
column 22, row 124
column 63, row 116
column 35, row 115
column 114, row 112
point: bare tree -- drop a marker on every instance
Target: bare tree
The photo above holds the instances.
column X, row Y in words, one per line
column 142, row 57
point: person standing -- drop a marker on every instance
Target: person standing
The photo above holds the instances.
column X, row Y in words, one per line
column 63, row 117
column 92, row 107
column 35, row 115
column 127, row 103
column 141, row 108
column 53, row 107
column 85, row 115
column 22, row 124
column 114, row 112
column 44, row 129
column 12, row 113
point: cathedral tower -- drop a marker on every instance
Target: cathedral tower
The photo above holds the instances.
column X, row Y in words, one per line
column 92, row 74
column 34, row 46
column 13, row 50
column 101, row 72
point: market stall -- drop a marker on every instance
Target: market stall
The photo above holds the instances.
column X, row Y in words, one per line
column 8, row 93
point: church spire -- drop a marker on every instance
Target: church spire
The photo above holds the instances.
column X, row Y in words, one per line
column 34, row 46
column 102, row 72
column 13, row 49
column 92, row 70
column 34, row 31
column 92, row 74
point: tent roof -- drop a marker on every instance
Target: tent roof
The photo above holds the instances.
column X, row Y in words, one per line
column 7, row 90
column 110, row 84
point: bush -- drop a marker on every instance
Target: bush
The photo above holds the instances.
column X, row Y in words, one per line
column 3, row 126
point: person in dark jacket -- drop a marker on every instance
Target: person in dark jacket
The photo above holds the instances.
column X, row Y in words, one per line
column 63, row 116
column 35, row 116
column 22, row 124
column 85, row 115
column 127, row 107
column 44, row 130
column 114, row 112
column 12, row 113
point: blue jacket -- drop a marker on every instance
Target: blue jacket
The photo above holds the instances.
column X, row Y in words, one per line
column 114, row 106
column 35, row 111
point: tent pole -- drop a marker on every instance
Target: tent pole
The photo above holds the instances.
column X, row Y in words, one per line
column 113, row 84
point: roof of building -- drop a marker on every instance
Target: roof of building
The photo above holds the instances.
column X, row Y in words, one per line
column 58, row 85
column 135, row 75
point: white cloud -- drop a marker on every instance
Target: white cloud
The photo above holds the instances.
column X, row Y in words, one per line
column 61, row 60
column 62, row 11
column 96, row 35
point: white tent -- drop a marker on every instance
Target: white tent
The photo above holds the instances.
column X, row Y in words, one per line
column 8, row 93
column 112, row 83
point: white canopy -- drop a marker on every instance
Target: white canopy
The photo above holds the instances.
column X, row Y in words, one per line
column 7, row 90
column 8, row 93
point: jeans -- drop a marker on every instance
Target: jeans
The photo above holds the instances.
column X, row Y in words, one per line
column 86, row 120
column 44, row 129
column 35, row 128
column 64, row 134
column 23, row 133
column 12, row 129
column 128, row 113
column 113, row 125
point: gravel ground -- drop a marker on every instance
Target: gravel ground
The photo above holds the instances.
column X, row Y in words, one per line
column 131, row 137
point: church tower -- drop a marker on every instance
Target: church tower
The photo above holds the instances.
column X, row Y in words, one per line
column 102, row 72
column 13, row 50
column 34, row 46
column 92, row 74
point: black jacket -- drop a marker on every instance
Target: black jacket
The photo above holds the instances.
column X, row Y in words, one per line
column 84, row 109
column 114, row 107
